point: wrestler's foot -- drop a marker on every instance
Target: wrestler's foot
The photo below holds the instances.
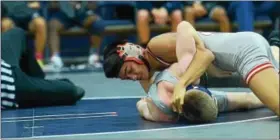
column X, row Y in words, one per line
column 93, row 60
column 274, row 38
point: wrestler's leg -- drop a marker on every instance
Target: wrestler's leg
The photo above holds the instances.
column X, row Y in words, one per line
column 231, row 101
column 265, row 84
column 260, row 72
column 148, row 110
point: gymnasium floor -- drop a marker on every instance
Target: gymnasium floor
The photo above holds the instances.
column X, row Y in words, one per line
column 109, row 111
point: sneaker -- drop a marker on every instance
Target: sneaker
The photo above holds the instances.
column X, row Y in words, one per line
column 56, row 62
column 93, row 60
column 274, row 38
column 55, row 65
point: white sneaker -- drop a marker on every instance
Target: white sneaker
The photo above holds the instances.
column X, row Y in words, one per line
column 56, row 62
column 93, row 60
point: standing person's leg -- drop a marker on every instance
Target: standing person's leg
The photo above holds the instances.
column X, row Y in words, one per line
column 219, row 14
column 39, row 27
column 176, row 17
column 142, row 24
column 175, row 13
column 95, row 26
column 243, row 13
column 58, row 22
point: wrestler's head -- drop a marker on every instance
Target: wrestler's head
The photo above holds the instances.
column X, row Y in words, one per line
column 125, row 60
column 199, row 106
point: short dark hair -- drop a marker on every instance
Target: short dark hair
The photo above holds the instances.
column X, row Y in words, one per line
column 112, row 62
column 199, row 107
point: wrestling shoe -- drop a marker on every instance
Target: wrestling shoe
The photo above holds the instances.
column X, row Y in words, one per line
column 274, row 38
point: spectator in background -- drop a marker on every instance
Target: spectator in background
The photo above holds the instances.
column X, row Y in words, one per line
column 214, row 9
column 245, row 12
column 26, row 15
column 64, row 15
column 158, row 12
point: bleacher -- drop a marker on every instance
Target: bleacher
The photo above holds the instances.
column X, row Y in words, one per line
column 123, row 28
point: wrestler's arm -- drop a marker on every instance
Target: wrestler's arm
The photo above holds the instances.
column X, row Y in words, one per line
column 149, row 111
column 199, row 64
column 233, row 101
column 201, row 60
column 147, row 83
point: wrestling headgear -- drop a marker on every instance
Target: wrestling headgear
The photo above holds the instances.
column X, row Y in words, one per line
column 119, row 52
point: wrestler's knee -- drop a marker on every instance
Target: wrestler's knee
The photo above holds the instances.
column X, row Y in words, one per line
column 143, row 16
column 219, row 14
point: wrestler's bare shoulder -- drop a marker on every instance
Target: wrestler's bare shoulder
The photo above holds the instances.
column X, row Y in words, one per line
column 162, row 40
column 164, row 44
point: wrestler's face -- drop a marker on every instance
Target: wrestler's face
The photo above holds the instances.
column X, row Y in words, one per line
column 134, row 71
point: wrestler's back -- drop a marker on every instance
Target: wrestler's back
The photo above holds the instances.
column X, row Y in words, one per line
column 230, row 49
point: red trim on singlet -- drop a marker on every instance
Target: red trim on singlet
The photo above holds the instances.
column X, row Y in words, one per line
column 158, row 58
column 257, row 69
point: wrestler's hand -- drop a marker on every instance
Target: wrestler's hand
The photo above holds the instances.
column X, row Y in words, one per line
column 178, row 98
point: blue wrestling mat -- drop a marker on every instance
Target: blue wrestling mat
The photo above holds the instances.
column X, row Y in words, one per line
column 95, row 116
